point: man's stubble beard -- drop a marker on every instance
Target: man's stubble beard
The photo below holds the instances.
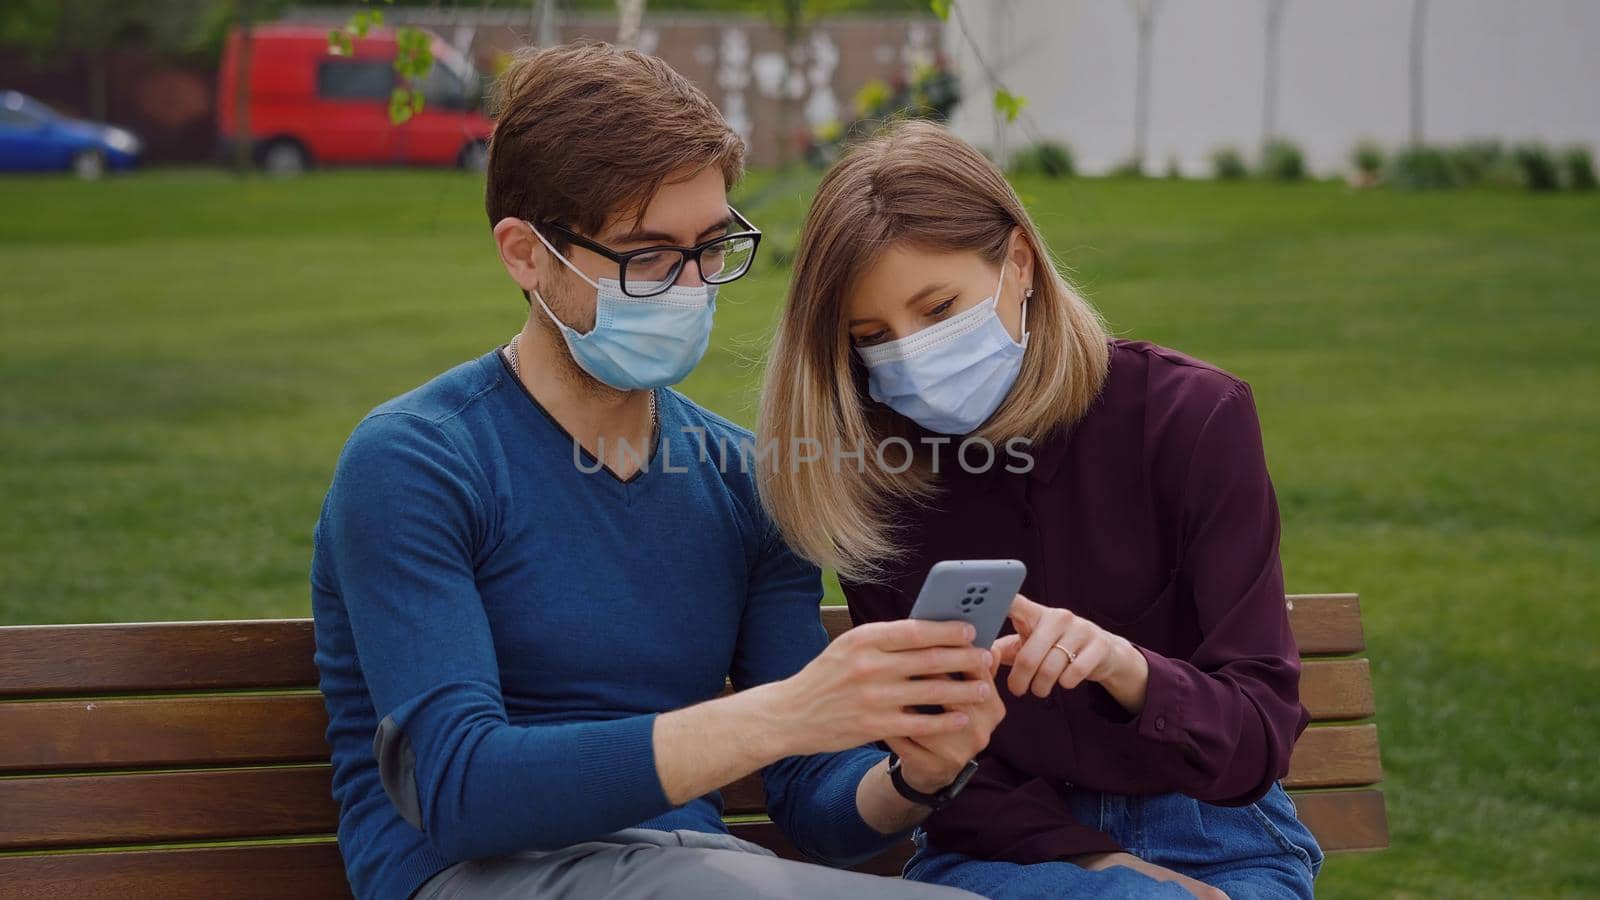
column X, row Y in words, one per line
column 565, row 307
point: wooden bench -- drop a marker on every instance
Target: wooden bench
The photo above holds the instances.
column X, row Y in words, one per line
column 187, row 759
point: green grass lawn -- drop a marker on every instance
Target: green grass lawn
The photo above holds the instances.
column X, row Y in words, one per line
column 182, row 356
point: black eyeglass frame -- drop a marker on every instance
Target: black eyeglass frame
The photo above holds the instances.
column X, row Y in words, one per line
column 685, row 254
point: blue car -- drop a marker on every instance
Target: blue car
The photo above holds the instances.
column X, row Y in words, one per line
column 36, row 138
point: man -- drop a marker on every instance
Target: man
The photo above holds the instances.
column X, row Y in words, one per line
column 533, row 574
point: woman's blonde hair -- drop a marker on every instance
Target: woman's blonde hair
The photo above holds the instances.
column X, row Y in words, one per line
column 912, row 184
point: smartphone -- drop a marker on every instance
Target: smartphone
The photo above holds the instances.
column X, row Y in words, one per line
column 970, row 590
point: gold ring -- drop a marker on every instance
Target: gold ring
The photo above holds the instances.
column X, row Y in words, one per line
column 1071, row 657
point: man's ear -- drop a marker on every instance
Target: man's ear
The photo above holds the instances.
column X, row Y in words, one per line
column 520, row 252
column 1022, row 257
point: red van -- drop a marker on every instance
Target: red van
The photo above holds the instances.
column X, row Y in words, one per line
column 309, row 107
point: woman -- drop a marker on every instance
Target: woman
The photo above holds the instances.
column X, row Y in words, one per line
column 975, row 408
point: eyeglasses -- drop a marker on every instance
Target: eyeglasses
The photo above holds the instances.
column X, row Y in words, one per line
column 649, row 271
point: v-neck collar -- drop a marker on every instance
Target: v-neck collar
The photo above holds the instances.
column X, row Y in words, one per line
column 591, row 463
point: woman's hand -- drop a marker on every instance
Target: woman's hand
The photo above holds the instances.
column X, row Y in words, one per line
column 929, row 764
column 860, row 689
column 1055, row 647
column 1098, row 861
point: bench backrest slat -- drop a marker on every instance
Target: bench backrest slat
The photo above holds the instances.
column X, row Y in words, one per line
column 1335, row 756
column 1345, row 821
column 1333, row 689
column 166, row 807
column 300, row 871
column 1326, row 624
column 44, row 660
column 41, row 660
column 118, row 733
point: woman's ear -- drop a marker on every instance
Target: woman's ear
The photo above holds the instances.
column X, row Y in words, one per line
column 519, row 252
column 1021, row 257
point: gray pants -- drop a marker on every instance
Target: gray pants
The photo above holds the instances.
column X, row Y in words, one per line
column 645, row 864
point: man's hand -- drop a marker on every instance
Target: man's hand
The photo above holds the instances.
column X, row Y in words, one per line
column 857, row 691
column 861, row 689
column 1055, row 647
column 930, row 764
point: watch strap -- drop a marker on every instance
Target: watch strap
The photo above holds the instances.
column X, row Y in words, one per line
column 933, row 801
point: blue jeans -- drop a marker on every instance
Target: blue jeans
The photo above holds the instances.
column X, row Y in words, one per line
column 1248, row 852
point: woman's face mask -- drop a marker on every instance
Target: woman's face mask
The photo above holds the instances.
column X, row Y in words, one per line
column 951, row 376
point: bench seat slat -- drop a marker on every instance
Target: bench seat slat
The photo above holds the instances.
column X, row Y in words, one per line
column 312, row 871
column 178, row 731
column 166, row 807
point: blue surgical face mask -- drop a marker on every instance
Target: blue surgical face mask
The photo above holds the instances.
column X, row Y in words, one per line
column 949, row 377
column 639, row 342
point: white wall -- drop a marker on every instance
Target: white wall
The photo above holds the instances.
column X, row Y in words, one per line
column 1508, row 69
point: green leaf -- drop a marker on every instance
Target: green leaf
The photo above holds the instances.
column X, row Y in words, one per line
column 376, row 16
column 1008, row 104
column 872, row 98
column 400, row 106
column 941, row 8
column 339, row 43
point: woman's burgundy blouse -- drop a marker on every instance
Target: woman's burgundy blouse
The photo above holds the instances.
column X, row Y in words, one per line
column 1154, row 517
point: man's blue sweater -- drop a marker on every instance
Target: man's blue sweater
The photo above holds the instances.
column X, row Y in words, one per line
column 521, row 616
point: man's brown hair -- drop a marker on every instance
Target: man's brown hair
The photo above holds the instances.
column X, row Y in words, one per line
column 587, row 130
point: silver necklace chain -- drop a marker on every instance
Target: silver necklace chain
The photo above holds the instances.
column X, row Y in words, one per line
column 511, row 357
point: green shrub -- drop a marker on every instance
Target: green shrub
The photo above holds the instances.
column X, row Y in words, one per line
column 1128, row 168
column 1227, row 164
column 1577, row 169
column 1368, row 159
column 1422, row 168
column 1538, row 167
column 1174, row 170
column 1282, row 161
column 1476, row 162
column 1047, row 158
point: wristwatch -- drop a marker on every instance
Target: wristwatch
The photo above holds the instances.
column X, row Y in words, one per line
column 932, row 801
